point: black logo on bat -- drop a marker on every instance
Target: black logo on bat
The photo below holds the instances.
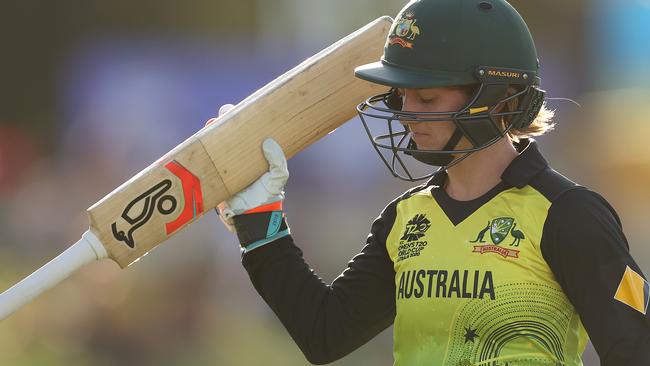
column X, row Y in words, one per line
column 154, row 198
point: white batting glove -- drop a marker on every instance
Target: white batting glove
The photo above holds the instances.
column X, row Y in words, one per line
column 266, row 190
column 255, row 213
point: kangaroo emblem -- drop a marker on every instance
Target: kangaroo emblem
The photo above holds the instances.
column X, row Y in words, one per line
column 481, row 235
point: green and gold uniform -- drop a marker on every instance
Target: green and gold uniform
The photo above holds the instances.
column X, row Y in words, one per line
column 476, row 289
column 518, row 276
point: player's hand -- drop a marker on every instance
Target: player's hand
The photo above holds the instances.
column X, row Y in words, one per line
column 255, row 213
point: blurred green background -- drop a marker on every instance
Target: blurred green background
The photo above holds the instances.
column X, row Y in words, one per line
column 93, row 91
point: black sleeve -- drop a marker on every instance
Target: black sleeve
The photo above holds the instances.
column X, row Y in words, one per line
column 584, row 245
column 328, row 322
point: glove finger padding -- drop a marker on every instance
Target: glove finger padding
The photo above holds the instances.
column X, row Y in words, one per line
column 253, row 196
column 226, row 216
column 276, row 178
column 222, row 110
column 268, row 188
column 225, row 109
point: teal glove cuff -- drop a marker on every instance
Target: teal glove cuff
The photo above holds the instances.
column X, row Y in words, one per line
column 259, row 243
column 257, row 229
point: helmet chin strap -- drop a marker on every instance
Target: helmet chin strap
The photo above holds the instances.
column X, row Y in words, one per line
column 434, row 158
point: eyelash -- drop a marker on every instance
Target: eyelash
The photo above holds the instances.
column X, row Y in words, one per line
column 400, row 93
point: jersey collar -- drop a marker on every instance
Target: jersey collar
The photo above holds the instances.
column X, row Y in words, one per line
column 526, row 165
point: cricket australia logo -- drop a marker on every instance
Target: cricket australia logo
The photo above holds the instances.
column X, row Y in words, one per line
column 140, row 210
column 404, row 31
column 499, row 229
column 410, row 244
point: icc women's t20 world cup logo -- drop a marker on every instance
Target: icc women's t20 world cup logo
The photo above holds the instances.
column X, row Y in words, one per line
column 412, row 241
column 140, row 210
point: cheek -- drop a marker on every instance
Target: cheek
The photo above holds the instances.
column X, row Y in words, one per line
column 438, row 129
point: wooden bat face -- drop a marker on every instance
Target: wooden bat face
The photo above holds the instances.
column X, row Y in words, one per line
column 296, row 109
column 155, row 204
column 139, row 211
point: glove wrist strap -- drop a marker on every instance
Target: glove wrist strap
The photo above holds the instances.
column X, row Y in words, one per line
column 257, row 229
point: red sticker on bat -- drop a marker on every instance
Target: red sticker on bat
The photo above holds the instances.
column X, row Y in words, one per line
column 192, row 194
column 141, row 209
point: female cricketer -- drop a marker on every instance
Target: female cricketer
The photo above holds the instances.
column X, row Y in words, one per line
column 497, row 259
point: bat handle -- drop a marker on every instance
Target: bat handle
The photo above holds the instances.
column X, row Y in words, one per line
column 86, row 250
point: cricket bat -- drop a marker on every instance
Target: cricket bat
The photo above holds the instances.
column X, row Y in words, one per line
column 296, row 109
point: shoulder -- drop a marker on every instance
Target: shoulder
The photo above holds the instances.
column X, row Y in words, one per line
column 552, row 184
column 569, row 198
column 391, row 207
column 581, row 198
column 584, row 206
column 389, row 213
column 575, row 211
column 582, row 220
column 582, row 229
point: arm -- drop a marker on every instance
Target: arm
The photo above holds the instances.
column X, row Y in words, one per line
column 585, row 247
column 328, row 322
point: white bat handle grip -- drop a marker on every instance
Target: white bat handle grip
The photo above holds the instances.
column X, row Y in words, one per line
column 86, row 250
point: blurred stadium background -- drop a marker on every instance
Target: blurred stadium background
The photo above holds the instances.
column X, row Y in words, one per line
column 93, row 91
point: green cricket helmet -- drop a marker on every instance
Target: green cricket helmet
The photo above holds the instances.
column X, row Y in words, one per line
column 440, row 43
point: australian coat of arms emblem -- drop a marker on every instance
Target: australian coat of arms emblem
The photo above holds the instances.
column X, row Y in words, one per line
column 499, row 229
column 404, row 31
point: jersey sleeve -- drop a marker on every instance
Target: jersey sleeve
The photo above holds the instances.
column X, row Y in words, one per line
column 328, row 321
column 585, row 247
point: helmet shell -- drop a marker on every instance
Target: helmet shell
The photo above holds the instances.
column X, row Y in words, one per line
column 435, row 43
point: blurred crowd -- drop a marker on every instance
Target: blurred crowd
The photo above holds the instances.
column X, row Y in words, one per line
column 94, row 91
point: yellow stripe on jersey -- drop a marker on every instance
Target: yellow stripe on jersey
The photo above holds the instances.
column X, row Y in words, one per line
column 633, row 291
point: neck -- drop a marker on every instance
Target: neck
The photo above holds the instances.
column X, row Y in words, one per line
column 479, row 172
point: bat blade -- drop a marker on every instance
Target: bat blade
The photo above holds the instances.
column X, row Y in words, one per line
column 296, row 110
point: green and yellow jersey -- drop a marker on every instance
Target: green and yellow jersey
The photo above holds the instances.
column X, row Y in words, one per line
column 476, row 290
column 519, row 276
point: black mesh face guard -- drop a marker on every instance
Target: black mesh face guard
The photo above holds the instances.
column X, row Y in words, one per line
column 477, row 122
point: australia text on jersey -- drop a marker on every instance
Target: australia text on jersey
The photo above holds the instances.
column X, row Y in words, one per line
column 442, row 283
